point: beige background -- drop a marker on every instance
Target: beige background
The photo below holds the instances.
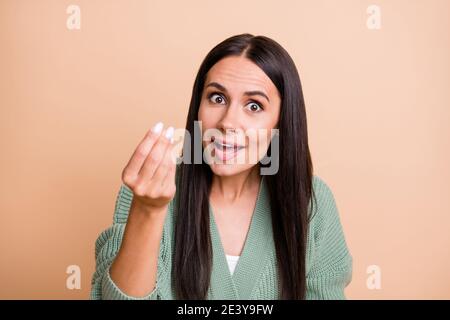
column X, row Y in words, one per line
column 74, row 104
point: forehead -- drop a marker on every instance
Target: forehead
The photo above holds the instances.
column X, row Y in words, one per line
column 239, row 74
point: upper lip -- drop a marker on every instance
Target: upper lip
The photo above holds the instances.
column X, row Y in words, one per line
column 227, row 143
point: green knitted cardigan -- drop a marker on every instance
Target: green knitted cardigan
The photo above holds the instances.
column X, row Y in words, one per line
column 328, row 260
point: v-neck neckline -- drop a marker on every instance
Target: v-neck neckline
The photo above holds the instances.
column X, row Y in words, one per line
column 253, row 258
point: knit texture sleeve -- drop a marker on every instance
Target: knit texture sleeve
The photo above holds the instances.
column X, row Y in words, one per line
column 331, row 262
column 107, row 246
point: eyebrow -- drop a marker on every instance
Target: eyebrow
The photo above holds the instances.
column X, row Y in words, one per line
column 247, row 93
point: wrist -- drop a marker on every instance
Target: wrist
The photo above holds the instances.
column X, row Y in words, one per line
column 147, row 212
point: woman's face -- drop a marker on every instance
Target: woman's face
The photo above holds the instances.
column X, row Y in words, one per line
column 239, row 107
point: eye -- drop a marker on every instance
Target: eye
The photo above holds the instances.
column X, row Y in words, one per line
column 254, row 107
column 218, row 98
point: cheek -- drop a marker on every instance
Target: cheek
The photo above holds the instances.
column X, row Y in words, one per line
column 207, row 116
column 263, row 142
column 207, row 121
column 201, row 113
column 258, row 141
column 203, row 118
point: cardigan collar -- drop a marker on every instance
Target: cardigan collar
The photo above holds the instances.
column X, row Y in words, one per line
column 254, row 257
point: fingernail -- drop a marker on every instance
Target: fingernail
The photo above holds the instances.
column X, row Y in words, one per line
column 169, row 133
column 158, row 127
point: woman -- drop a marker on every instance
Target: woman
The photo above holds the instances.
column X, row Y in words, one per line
column 221, row 228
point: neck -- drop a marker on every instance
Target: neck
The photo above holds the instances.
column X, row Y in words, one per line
column 231, row 188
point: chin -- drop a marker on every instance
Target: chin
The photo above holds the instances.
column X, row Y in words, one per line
column 227, row 170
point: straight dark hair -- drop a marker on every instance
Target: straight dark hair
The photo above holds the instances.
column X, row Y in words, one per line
column 290, row 189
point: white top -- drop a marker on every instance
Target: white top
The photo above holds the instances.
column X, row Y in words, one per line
column 232, row 261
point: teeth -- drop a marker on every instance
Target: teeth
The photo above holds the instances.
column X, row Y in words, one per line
column 224, row 145
column 227, row 146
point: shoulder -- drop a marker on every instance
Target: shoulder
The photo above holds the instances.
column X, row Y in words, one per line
column 326, row 237
column 321, row 189
column 324, row 205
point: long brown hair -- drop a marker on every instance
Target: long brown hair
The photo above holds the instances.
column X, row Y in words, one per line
column 290, row 189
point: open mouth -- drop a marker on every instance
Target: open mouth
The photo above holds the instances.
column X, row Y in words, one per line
column 226, row 151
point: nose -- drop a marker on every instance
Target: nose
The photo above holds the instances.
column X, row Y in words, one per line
column 230, row 119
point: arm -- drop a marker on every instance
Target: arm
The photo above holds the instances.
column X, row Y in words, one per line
column 134, row 270
column 127, row 253
column 107, row 248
